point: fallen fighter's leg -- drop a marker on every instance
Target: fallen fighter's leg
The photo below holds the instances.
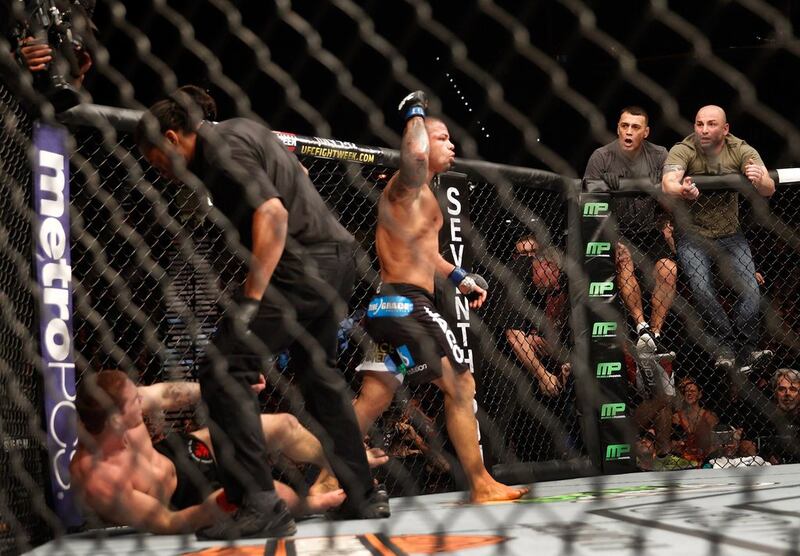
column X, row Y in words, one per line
column 326, row 481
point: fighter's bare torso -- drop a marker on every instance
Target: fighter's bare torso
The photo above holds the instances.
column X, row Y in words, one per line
column 407, row 235
column 102, row 475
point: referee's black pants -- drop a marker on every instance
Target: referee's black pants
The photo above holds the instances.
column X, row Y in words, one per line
column 302, row 315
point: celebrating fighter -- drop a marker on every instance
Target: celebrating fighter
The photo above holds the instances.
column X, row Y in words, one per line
column 404, row 315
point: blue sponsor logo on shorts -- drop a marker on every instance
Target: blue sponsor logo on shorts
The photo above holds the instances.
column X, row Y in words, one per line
column 389, row 362
column 390, row 306
column 405, row 357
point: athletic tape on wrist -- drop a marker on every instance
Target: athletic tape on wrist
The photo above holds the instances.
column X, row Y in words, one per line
column 415, row 111
column 458, row 275
column 469, row 283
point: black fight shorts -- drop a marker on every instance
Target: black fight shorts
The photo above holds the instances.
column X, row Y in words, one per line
column 196, row 469
column 410, row 336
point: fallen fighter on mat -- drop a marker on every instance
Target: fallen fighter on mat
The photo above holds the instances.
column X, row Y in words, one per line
column 170, row 487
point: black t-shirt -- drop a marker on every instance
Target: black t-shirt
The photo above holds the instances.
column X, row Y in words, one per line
column 638, row 213
column 243, row 165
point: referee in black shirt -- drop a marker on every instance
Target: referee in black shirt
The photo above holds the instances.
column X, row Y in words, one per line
column 299, row 277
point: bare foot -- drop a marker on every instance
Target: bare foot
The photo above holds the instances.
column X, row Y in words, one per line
column 492, row 491
column 320, row 503
column 324, row 484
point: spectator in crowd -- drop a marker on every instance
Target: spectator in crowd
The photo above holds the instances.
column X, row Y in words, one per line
column 786, row 385
column 653, row 414
column 779, row 440
column 541, row 348
column 708, row 231
column 645, row 449
column 642, row 225
column 692, row 423
column 413, row 433
column 60, row 83
column 728, row 448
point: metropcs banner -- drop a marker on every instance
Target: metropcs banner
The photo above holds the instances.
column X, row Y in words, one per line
column 54, row 276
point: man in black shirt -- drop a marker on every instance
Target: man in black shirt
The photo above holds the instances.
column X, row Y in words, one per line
column 640, row 222
column 300, row 274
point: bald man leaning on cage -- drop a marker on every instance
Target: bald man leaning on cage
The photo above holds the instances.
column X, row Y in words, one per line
column 710, row 234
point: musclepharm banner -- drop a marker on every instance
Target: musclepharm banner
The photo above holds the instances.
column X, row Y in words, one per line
column 606, row 357
column 54, row 277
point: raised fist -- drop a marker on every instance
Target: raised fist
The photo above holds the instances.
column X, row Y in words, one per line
column 414, row 104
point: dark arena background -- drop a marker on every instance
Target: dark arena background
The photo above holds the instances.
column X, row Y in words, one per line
column 529, row 90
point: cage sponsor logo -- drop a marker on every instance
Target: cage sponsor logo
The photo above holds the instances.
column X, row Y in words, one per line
column 337, row 154
column 612, row 411
column 455, row 209
column 609, row 369
column 601, row 289
column 288, row 139
column 54, row 275
column 618, row 452
column 360, row 545
column 394, row 306
column 595, row 210
column 604, row 330
column 598, row 249
column 333, row 143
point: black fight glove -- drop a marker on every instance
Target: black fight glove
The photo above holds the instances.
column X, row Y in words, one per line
column 242, row 313
column 414, row 104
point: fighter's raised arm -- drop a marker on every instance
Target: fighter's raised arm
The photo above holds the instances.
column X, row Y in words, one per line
column 413, row 173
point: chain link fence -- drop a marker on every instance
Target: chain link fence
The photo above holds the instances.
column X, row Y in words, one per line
column 729, row 409
column 135, row 285
column 149, row 270
column 24, row 519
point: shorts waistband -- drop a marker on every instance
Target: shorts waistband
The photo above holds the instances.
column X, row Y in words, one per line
column 404, row 289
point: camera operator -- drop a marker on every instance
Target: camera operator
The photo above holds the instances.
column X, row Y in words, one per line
column 50, row 38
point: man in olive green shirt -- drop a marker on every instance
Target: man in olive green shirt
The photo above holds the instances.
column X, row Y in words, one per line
column 712, row 233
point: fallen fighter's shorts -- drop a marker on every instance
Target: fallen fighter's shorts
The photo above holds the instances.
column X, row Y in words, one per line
column 409, row 336
column 194, row 466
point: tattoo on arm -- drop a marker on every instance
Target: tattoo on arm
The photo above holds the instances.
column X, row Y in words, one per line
column 673, row 168
column 180, row 395
column 413, row 158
